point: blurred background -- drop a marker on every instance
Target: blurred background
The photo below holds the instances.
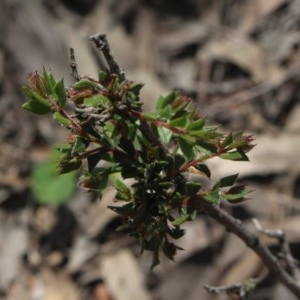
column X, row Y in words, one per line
column 238, row 60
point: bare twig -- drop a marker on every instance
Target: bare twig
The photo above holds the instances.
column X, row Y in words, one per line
column 277, row 233
column 101, row 43
column 252, row 241
column 73, row 65
column 241, row 289
column 286, row 254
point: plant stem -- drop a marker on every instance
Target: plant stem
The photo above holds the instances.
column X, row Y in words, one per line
column 101, row 43
column 252, row 241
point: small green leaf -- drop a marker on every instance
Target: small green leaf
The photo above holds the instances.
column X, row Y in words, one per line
column 226, row 181
column 188, row 138
column 97, row 101
column 50, row 81
column 186, row 148
column 123, row 191
column 162, row 102
column 235, row 155
column 165, row 134
column 179, row 221
column 93, row 159
column 36, row 104
column 102, row 76
column 176, row 232
column 150, row 116
column 84, row 84
column 178, row 161
column 35, row 108
column 213, row 197
column 61, row 119
column 68, row 164
column 228, row 140
column 136, row 87
column 236, row 194
column 206, row 147
column 165, row 114
column 178, row 122
column 78, row 145
column 192, row 188
column 102, row 185
column 125, row 210
column 204, row 168
column 60, row 93
column 196, row 125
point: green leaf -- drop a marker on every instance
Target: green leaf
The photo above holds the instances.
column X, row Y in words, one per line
column 178, row 161
column 136, row 87
column 50, row 81
column 176, row 232
column 165, row 114
column 235, row 155
column 63, row 148
column 102, row 76
column 61, row 119
column 126, row 210
column 179, row 221
column 102, row 185
column 190, row 139
column 50, row 188
column 196, row 125
column 36, row 104
column 150, row 116
column 97, row 101
column 192, row 188
column 155, row 259
column 78, row 145
column 60, row 93
column 35, row 108
column 165, row 134
column 179, row 122
column 123, row 191
column 132, row 128
column 228, row 140
column 93, row 159
column 206, row 147
column 162, row 102
column 68, row 164
column 236, row 194
column 186, row 148
column 226, row 181
column 213, row 197
column 204, row 168
column 84, row 84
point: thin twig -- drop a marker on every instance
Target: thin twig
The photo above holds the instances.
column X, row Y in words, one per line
column 252, row 241
column 286, row 254
column 101, row 43
column 73, row 65
column 241, row 289
column 277, row 233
